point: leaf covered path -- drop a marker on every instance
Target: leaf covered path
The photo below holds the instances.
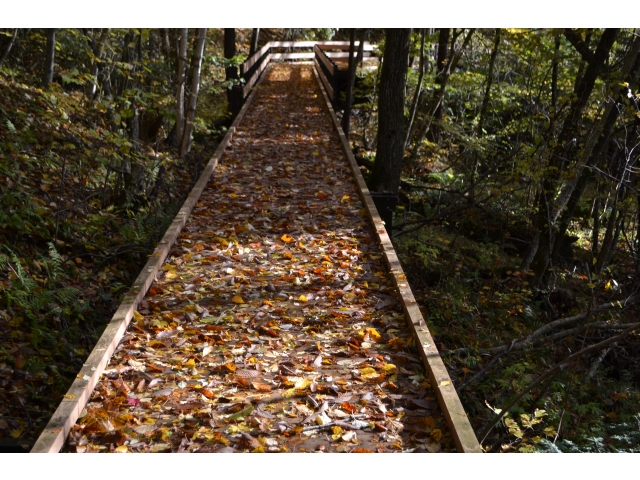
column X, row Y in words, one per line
column 274, row 325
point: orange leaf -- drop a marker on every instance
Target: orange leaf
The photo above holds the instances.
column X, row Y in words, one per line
column 209, row 394
column 287, row 238
column 237, row 299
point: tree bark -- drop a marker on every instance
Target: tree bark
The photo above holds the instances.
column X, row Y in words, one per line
column 195, row 88
column 234, row 100
column 182, row 61
column 351, row 79
column 563, row 152
column 431, row 108
column 441, row 81
column 487, row 91
column 388, row 165
column 7, row 49
column 418, row 92
column 255, row 33
column 49, row 59
column 554, row 74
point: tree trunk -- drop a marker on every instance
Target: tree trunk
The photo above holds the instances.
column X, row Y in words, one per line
column 254, row 41
column 195, row 88
column 385, row 176
column 7, row 49
column 487, row 91
column 441, row 81
column 49, row 59
column 554, row 74
column 437, row 101
column 351, row 79
column 234, row 92
column 182, row 62
column 563, row 152
column 416, row 95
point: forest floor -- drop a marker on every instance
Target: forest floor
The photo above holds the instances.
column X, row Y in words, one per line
column 68, row 248
column 274, row 326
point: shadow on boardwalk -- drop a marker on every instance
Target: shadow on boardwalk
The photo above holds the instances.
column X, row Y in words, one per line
column 274, row 326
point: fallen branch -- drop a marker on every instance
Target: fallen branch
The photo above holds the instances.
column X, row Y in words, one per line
column 549, row 327
column 486, row 369
column 552, row 371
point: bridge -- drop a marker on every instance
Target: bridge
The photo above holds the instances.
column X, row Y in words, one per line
column 274, row 314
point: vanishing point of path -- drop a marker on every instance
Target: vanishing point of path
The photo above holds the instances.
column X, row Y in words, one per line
column 273, row 326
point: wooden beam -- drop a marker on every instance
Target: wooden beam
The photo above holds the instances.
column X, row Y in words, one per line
column 327, row 63
column 244, row 68
column 256, row 75
column 461, row 431
column 327, row 86
column 367, row 47
column 333, row 45
column 333, row 55
column 285, row 56
column 52, row 438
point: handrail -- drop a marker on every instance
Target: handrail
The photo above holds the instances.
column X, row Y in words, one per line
column 333, row 45
column 255, row 62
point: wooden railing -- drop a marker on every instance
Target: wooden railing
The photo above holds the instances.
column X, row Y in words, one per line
column 333, row 75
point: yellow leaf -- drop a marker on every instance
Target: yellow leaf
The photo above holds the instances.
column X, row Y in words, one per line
column 445, row 383
column 122, row 449
column 237, row 299
column 16, row 433
column 591, row 285
column 137, row 316
column 346, row 198
column 191, row 363
column 291, row 392
column 302, row 384
column 436, row 434
column 373, row 334
column 337, row 433
column 389, row 368
column 369, row 373
column 303, row 298
column 69, row 396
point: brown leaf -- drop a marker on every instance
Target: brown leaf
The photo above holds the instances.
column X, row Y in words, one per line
column 261, row 387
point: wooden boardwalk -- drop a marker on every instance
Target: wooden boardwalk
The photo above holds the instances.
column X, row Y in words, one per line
column 274, row 324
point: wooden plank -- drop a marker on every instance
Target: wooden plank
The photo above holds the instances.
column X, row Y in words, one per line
column 459, row 426
column 325, row 60
column 324, row 79
column 301, row 44
column 248, row 63
column 333, row 55
column 287, row 56
column 53, row 436
column 335, row 45
column 256, row 75
column 367, row 47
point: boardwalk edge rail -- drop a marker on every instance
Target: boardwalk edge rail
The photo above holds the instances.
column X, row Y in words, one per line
column 461, row 430
column 55, row 433
column 251, row 70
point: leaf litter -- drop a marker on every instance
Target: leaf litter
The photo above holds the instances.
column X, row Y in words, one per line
column 273, row 325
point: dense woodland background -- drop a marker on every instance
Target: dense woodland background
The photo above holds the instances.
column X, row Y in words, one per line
column 512, row 152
